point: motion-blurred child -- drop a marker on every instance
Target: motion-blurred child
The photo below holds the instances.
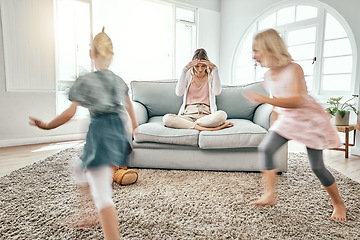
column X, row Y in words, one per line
column 107, row 148
column 300, row 118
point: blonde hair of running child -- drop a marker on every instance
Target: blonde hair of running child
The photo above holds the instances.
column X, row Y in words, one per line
column 102, row 47
column 273, row 48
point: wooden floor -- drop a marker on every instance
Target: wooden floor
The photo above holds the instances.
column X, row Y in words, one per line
column 12, row 158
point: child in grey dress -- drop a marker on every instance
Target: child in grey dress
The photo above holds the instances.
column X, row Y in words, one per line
column 107, row 146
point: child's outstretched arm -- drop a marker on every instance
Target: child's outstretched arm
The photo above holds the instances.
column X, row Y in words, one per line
column 58, row 120
column 295, row 99
column 289, row 102
column 130, row 109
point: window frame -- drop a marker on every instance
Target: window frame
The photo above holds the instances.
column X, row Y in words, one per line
column 319, row 23
column 194, row 29
column 174, row 6
column 83, row 112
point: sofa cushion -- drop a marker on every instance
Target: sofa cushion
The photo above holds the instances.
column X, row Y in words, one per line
column 244, row 133
column 155, row 131
column 158, row 97
column 231, row 100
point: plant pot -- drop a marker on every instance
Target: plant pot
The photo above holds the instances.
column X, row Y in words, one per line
column 342, row 121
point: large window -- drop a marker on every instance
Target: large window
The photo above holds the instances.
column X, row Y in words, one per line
column 28, row 41
column 317, row 38
column 152, row 40
column 73, row 40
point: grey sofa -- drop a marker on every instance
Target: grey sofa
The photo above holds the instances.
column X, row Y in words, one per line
column 230, row 149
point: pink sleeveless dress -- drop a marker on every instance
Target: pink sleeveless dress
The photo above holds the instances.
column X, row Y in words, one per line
column 309, row 124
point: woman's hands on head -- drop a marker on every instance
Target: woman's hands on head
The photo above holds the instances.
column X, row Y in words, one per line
column 194, row 62
column 208, row 64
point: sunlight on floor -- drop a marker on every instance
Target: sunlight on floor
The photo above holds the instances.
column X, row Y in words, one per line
column 55, row 146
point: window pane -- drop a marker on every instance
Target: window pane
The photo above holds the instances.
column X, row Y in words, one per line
column 305, row 12
column 247, row 46
column 333, row 28
column 302, row 52
column 306, row 35
column 307, row 67
column 245, row 59
column 67, row 41
column 341, row 82
column 338, row 65
column 337, row 47
column 73, row 42
column 244, row 75
column 268, row 22
column 309, row 83
column 83, row 38
column 185, row 14
column 260, row 72
column 286, row 15
column 143, row 49
column 184, row 46
column 245, row 69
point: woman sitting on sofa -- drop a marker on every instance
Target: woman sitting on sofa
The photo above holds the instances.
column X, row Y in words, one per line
column 199, row 84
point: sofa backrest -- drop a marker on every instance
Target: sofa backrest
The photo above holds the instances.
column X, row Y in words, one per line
column 231, row 100
column 159, row 98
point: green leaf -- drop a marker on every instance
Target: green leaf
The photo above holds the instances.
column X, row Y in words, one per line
column 342, row 113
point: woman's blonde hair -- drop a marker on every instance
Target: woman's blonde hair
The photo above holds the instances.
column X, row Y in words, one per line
column 102, row 47
column 273, row 48
column 200, row 54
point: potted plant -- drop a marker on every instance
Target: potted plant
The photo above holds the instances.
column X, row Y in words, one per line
column 341, row 111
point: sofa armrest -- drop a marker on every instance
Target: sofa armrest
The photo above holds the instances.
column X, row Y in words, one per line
column 141, row 113
column 262, row 115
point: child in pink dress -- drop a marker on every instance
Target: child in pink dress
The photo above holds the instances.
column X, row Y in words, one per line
column 299, row 117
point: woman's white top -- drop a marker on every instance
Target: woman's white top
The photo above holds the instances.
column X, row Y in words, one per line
column 183, row 84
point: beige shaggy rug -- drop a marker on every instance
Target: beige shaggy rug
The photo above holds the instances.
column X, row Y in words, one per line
column 39, row 201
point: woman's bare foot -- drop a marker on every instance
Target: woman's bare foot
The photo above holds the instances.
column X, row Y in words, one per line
column 222, row 126
column 226, row 125
column 268, row 199
column 339, row 212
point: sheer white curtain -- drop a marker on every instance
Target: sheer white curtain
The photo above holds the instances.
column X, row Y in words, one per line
column 28, row 36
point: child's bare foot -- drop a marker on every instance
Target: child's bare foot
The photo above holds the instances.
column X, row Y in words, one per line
column 339, row 212
column 268, row 199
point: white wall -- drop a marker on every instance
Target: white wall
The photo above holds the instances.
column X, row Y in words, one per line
column 213, row 5
column 237, row 16
column 16, row 107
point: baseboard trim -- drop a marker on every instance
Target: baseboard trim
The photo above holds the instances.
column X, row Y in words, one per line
column 37, row 140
